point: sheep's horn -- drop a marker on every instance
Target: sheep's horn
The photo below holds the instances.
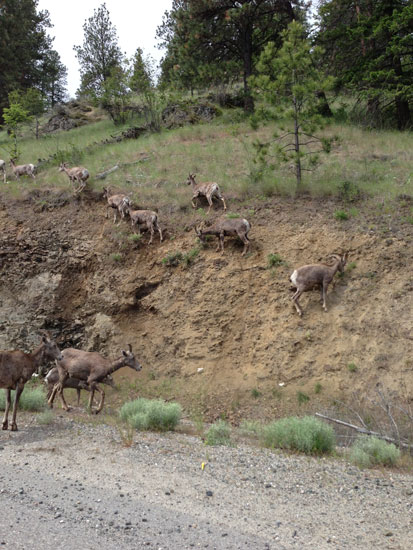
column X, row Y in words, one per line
column 130, row 348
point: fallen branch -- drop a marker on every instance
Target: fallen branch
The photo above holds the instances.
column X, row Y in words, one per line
column 103, row 175
column 365, row 431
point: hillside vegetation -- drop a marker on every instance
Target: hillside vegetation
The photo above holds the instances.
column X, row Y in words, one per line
column 217, row 332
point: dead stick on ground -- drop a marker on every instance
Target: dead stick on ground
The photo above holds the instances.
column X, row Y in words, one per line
column 365, row 431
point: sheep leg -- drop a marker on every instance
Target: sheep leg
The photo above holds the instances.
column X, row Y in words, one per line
column 150, row 227
column 295, row 302
column 193, row 204
column 221, row 241
column 324, row 293
column 102, row 398
column 223, row 200
column 19, row 390
column 209, row 199
column 78, row 396
column 62, row 398
column 6, row 410
column 160, row 232
column 246, row 242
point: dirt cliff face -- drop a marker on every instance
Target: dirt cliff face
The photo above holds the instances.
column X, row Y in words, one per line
column 220, row 335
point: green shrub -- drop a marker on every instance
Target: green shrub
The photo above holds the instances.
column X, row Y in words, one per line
column 274, row 260
column 308, row 435
column 30, row 400
column 147, row 414
column 318, row 388
column 255, row 393
column 369, row 451
column 352, row 367
column 219, row 434
column 250, row 427
column 190, row 256
column 302, row 397
column 173, row 259
column 116, row 257
column 233, row 215
column 341, row 215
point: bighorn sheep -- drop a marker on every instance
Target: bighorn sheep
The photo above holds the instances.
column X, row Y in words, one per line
column 22, row 169
column 91, row 368
column 76, row 174
column 143, row 217
column 52, row 378
column 208, row 190
column 3, row 169
column 227, row 227
column 309, row 277
column 119, row 202
column 17, row 367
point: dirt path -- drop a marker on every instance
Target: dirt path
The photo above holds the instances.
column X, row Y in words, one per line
column 70, row 485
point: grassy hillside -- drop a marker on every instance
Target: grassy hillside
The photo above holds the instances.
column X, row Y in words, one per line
column 378, row 164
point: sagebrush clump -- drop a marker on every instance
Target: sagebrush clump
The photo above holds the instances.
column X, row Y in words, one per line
column 308, row 435
column 370, row 451
column 219, row 434
column 147, row 414
column 30, row 400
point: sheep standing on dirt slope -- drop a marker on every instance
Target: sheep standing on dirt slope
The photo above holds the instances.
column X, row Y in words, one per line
column 144, row 217
column 227, row 227
column 207, row 189
column 118, row 201
column 309, row 277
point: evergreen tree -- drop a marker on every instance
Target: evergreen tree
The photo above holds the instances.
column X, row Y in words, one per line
column 24, row 46
column 202, row 37
column 53, row 78
column 289, row 80
column 369, row 47
column 99, row 54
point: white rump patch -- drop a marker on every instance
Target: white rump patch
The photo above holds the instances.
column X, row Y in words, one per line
column 293, row 278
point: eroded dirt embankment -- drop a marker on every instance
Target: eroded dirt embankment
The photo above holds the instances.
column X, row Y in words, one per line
column 70, row 270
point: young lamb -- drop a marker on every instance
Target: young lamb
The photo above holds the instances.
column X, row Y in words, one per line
column 22, row 169
column 320, row 276
column 143, row 217
column 207, row 189
column 52, row 378
column 227, row 227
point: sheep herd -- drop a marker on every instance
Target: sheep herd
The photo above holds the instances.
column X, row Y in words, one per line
column 84, row 370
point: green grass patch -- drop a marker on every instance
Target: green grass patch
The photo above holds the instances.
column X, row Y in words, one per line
column 341, row 215
column 45, row 418
column 274, row 260
column 173, row 259
column 30, row 400
column 308, row 435
column 151, row 414
column 352, row 367
column 219, row 434
column 370, row 451
column 302, row 398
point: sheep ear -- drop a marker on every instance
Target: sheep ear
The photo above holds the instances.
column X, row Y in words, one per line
column 124, row 353
column 130, row 348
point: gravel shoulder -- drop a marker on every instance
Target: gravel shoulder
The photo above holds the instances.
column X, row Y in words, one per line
column 74, row 485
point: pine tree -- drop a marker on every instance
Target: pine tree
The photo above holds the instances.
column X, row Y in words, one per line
column 24, row 46
column 369, row 47
column 99, row 54
column 223, row 37
column 288, row 79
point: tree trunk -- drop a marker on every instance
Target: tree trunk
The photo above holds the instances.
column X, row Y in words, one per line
column 297, row 146
column 247, row 57
column 404, row 118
